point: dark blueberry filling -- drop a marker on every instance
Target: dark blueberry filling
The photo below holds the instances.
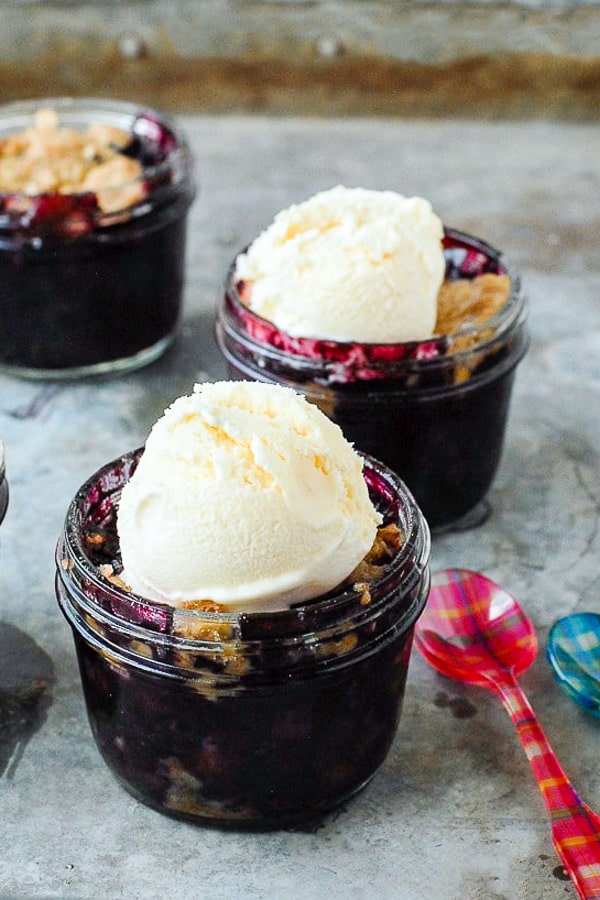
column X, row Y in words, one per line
column 80, row 288
column 50, row 215
column 445, row 446
column 264, row 758
column 82, row 305
column 152, row 142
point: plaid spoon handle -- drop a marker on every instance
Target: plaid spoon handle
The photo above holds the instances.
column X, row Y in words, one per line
column 575, row 827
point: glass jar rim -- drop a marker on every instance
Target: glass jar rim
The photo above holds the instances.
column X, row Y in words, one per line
column 474, row 338
column 73, row 564
column 16, row 115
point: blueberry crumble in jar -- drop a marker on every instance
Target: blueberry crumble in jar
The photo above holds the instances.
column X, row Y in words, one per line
column 432, row 408
column 252, row 718
column 94, row 196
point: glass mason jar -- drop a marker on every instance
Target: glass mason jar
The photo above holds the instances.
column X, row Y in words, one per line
column 253, row 720
column 3, row 484
column 89, row 287
column 435, row 412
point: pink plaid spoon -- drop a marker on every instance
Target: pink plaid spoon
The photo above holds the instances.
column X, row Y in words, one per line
column 473, row 631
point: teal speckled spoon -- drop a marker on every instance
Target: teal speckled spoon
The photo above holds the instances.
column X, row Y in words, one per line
column 573, row 651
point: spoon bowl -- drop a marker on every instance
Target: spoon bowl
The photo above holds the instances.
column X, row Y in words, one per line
column 471, row 626
column 475, row 632
column 573, row 651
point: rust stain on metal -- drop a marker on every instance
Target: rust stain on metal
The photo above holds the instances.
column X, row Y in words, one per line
column 521, row 85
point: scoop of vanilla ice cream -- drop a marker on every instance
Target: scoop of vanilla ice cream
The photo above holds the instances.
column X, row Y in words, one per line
column 349, row 264
column 246, row 495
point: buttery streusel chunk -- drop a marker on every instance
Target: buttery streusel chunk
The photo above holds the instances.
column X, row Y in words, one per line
column 470, row 301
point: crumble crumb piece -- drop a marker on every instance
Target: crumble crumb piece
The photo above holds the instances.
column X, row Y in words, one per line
column 387, row 543
column 109, row 573
column 467, row 301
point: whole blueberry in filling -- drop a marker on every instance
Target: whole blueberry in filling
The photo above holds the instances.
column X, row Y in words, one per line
column 93, row 203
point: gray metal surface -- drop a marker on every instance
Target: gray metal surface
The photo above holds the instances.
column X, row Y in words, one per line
column 454, row 813
column 423, row 30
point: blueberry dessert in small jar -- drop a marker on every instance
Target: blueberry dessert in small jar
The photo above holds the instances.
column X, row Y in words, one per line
column 277, row 701
column 94, row 197
column 3, row 484
column 404, row 332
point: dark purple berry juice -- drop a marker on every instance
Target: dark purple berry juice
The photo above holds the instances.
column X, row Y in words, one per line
column 435, row 412
column 250, row 720
column 91, row 276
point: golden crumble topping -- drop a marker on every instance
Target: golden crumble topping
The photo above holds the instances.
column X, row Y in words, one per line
column 470, row 301
column 49, row 159
column 387, row 544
